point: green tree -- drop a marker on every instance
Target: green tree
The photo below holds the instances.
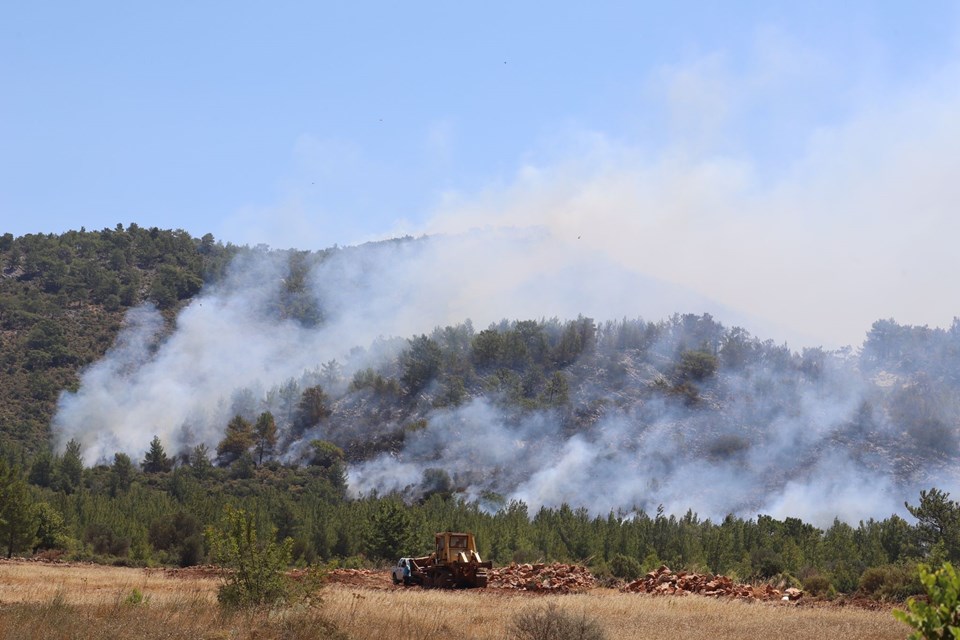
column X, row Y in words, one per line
column 626, row 567
column 256, row 562
column 156, row 459
column 937, row 618
column 313, row 408
column 419, row 363
column 43, row 469
column 392, row 531
column 200, row 461
column 841, row 556
column 71, row 468
column 181, row 536
column 556, row 393
column 938, row 522
column 52, row 531
column 486, row 348
column 696, row 366
column 172, row 284
column 18, row 514
column 330, row 458
column 265, row 436
column 121, row 473
column 237, row 440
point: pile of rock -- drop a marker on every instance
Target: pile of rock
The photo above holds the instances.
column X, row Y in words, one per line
column 663, row 581
column 554, row 578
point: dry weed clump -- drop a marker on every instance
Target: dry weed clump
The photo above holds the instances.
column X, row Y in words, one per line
column 552, row 623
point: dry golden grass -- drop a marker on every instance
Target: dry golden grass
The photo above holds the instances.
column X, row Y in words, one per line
column 43, row 601
column 401, row 615
column 38, row 582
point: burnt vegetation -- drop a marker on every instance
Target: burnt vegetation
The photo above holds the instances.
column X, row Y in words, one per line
column 62, row 304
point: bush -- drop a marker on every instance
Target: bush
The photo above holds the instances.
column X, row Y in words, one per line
column 552, row 623
column 817, row 584
column 258, row 565
column 105, row 541
column 625, row 567
column 939, row 617
column 891, row 581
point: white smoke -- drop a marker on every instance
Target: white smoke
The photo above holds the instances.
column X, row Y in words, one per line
column 780, row 445
column 177, row 383
column 808, row 461
column 858, row 226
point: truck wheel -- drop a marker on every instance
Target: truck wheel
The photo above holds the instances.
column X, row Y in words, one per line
column 395, row 581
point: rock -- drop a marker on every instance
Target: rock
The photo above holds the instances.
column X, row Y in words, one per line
column 556, row 577
column 664, row 582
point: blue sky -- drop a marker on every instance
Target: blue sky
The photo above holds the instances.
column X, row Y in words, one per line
column 307, row 124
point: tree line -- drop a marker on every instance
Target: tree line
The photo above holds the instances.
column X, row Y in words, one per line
column 152, row 512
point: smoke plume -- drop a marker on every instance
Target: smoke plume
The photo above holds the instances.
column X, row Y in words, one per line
column 758, row 441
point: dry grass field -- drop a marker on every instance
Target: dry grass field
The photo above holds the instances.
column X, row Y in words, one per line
column 39, row 601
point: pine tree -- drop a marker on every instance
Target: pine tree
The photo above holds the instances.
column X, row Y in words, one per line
column 18, row 514
column 156, row 459
column 71, row 468
column 121, row 473
column 314, row 407
column 330, row 458
column 236, row 441
column 266, row 436
column 43, row 469
column 391, row 533
column 200, row 461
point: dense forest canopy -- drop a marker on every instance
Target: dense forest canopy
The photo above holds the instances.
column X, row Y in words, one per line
column 144, row 369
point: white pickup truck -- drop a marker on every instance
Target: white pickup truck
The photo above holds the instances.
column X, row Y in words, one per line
column 401, row 571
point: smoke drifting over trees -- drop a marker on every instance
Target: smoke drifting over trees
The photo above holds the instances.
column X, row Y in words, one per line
column 398, row 353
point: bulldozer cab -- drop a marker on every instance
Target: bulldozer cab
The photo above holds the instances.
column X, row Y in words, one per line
column 452, row 547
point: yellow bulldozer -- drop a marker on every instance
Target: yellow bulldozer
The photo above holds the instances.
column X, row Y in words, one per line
column 454, row 563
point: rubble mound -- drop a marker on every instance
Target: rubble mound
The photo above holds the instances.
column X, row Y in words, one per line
column 553, row 578
column 663, row 581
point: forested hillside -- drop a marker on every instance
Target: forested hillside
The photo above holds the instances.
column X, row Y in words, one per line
column 62, row 301
column 196, row 374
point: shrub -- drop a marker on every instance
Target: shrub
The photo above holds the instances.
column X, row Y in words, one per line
column 257, row 564
column 626, row 567
column 891, row 581
column 766, row 563
column 552, row 623
column 104, row 540
column 939, row 617
column 817, row 584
